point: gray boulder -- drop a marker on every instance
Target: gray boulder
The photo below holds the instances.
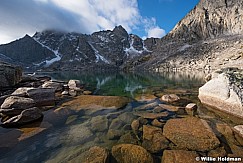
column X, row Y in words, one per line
column 42, row 96
column 55, row 85
column 224, row 91
column 17, row 103
column 9, row 75
column 26, row 116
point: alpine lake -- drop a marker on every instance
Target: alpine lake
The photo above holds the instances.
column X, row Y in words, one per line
column 64, row 133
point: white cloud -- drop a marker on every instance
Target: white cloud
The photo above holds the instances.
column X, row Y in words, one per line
column 156, row 32
column 20, row 17
column 152, row 29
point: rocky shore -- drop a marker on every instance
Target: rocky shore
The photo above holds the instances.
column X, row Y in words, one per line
column 161, row 127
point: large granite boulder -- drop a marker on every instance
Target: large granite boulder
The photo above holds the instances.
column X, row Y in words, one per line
column 191, row 134
column 9, row 75
column 26, row 116
column 41, row 96
column 19, row 103
column 55, row 85
column 127, row 153
column 224, row 91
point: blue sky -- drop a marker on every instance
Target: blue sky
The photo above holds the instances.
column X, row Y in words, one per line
column 146, row 18
column 167, row 12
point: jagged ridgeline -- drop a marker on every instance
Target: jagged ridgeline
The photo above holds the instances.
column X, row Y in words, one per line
column 208, row 37
column 67, row 51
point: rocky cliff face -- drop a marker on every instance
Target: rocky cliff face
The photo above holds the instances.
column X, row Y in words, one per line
column 62, row 51
column 209, row 37
column 209, row 19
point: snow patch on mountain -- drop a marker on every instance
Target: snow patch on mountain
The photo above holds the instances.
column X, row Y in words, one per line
column 51, row 61
column 133, row 50
column 98, row 56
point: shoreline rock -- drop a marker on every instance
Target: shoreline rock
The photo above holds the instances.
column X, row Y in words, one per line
column 224, row 91
column 191, row 133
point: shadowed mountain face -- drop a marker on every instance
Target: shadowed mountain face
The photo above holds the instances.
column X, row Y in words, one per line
column 201, row 40
column 61, row 51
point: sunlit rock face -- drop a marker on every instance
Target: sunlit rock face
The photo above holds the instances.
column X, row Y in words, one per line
column 207, row 38
column 224, row 91
column 209, row 19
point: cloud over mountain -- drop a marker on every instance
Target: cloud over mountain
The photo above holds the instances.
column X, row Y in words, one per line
column 19, row 17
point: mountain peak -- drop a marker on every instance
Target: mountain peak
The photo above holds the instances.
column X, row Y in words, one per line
column 210, row 19
column 120, row 31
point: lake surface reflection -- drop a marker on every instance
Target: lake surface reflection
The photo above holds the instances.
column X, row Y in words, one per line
column 63, row 135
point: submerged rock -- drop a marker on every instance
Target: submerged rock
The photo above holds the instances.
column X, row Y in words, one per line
column 148, row 115
column 26, row 116
column 93, row 155
column 191, row 133
column 95, row 103
column 181, row 156
column 78, row 134
column 128, row 153
column 99, row 123
column 224, row 92
column 170, row 98
column 153, row 139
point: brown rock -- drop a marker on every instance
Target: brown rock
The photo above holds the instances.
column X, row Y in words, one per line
column 87, row 92
column 146, row 106
column 128, row 153
column 191, row 133
column 176, row 109
column 87, row 102
column 148, row 115
column 238, row 130
column 135, row 126
column 157, row 123
column 179, row 156
column 153, row 139
column 142, row 120
column 170, row 98
column 116, row 124
column 99, row 123
column 93, row 155
column 219, row 152
column 129, row 138
column 146, row 97
column 114, row 134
